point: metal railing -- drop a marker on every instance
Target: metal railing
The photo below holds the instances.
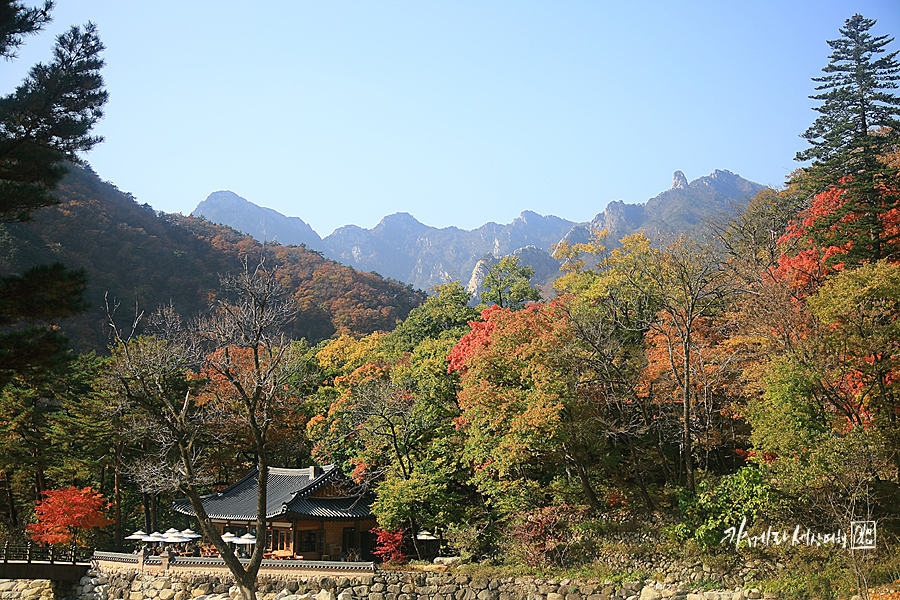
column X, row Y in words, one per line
column 30, row 552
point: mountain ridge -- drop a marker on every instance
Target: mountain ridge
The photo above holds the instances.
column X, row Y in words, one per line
column 404, row 249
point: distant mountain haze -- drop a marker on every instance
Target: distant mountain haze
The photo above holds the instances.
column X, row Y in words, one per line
column 402, row 248
column 264, row 224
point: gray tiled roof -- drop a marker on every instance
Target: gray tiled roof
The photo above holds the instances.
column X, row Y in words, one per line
column 333, row 508
column 288, row 492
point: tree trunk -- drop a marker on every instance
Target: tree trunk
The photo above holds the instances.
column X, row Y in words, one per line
column 13, row 515
column 245, row 581
column 585, row 481
column 247, row 585
column 148, row 525
column 656, row 433
column 686, row 400
column 154, row 504
column 40, row 484
column 117, row 496
column 637, row 475
column 414, row 534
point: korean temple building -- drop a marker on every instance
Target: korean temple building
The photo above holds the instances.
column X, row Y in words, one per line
column 313, row 513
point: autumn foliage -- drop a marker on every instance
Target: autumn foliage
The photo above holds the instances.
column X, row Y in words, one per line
column 815, row 243
column 549, row 535
column 65, row 514
column 390, row 545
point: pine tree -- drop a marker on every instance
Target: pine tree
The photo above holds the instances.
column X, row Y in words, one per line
column 16, row 22
column 858, row 126
column 44, row 124
column 47, row 120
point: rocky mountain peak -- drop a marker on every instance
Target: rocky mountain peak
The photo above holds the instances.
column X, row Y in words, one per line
column 223, row 198
column 402, row 220
column 528, row 215
column 405, row 249
column 227, row 208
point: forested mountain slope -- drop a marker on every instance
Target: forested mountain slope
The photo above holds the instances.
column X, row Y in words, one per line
column 142, row 258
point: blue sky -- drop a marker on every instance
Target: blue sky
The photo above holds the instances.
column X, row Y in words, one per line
column 456, row 112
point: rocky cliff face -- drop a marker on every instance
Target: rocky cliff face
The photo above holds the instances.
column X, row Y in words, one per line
column 402, row 248
column 546, row 270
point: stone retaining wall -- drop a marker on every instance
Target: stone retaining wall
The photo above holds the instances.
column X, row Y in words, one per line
column 127, row 584
column 37, row 589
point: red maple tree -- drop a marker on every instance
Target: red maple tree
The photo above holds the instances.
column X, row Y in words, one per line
column 390, row 545
column 66, row 513
column 820, row 251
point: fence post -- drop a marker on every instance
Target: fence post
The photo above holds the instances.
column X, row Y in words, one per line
column 50, row 552
column 6, row 551
column 28, row 552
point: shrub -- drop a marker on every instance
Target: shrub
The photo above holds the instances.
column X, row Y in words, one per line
column 717, row 506
column 390, row 546
column 548, row 536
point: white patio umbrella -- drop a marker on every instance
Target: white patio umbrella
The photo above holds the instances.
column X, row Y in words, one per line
column 137, row 535
column 171, row 531
column 154, row 537
column 247, row 538
column 176, row 539
column 228, row 537
column 190, row 533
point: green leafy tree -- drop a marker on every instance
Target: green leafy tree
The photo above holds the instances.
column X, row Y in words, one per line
column 387, row 414
column 857, row 128
column 93, row 442
column 386, row 429
column 508, row 284
column 31, row 406
column 41, row 294
column 529, row 413
column 446, row 313
column 822, row 464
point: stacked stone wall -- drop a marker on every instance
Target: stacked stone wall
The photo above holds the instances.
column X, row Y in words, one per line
column 37, row 589
column 127, row 584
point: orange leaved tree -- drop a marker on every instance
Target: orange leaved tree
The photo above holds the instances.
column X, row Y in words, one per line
column 65, row 515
